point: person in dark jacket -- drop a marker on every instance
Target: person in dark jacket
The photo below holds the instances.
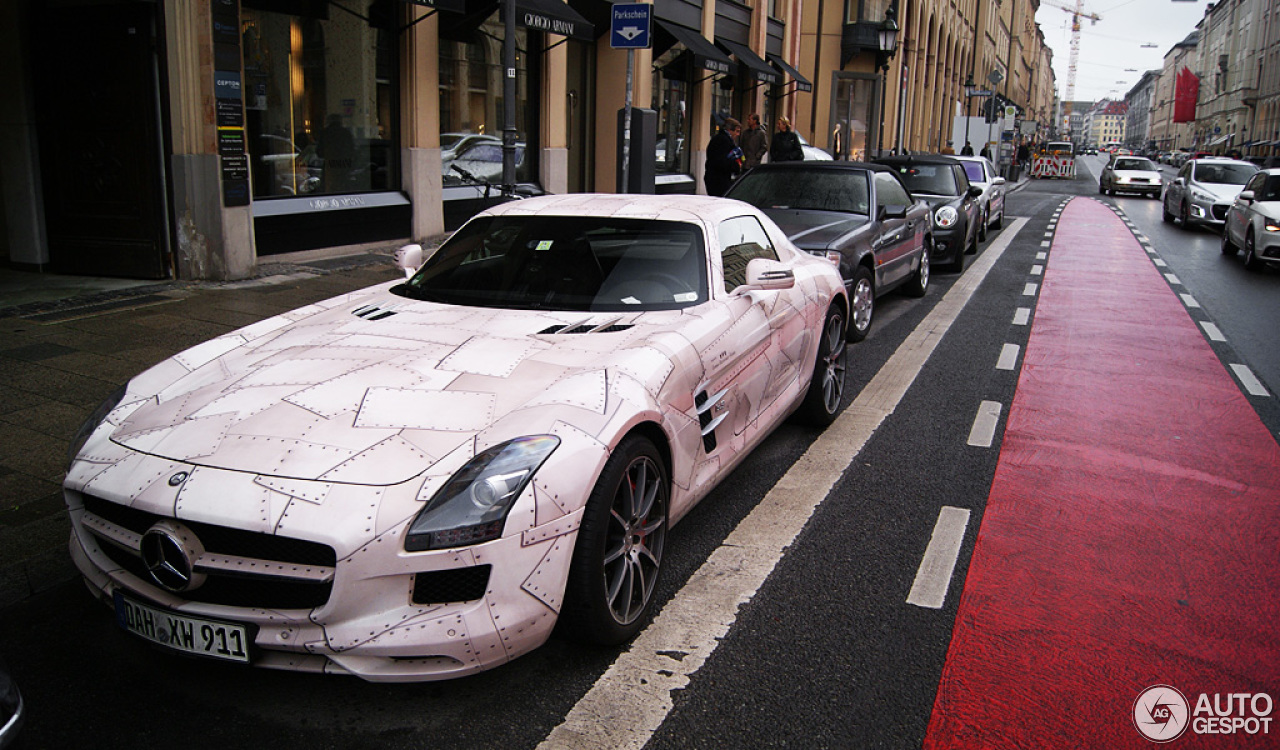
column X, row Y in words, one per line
column 724, row 158
column 754, row 142
column 786, row 144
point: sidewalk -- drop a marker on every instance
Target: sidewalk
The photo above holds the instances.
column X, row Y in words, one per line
column 68, row 342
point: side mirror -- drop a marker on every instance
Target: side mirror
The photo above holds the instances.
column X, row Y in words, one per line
column 974, row 191
column 998, row 181
column 1247, row 196
column 894, row 211
column 409, row 259
column 765, row 274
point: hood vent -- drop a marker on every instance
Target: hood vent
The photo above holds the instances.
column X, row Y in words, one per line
column 375, row 312
column 608, row 326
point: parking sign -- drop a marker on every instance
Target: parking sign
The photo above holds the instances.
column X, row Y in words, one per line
column 630, row 26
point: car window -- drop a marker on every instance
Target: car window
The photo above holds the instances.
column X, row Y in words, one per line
column 843, row 190
column 1271, row 191
column 962, row 179
column 742, row 240
column 975, row 171
column 890, row 190
column 1224, row 174
column 1135, row 165
column 933, row 179
column 566, row 263
column 1185, row 172
column 1255, row 184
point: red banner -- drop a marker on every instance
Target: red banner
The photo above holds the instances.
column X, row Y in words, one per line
column 1186, row 92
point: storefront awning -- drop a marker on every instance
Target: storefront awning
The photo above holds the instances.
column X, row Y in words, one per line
column 705, row 54
column 802, row 83
column 1221, row 139
column 759, row 69
column 555, row 17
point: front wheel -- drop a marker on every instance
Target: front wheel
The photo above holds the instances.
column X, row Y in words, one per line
column 862, row 304
column 826, row 389
column 919, row 282
column 1185, row 215
column 1251, row 261
column 982, row 228
column 1164, row 212
column 1228, row 247
column 618, row 555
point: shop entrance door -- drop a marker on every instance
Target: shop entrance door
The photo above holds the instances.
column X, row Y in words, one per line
column 853, row 116
column 100, row 151
column 580, row 107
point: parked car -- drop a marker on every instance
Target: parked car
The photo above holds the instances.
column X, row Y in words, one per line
column 418, row 480
column 984, row 174
column 1253, row 221
column 1130, row 174
column 1204, row 189
column 481, row 158
column 12, row 711
column 859, row 215
column 942, row 182
column 812, row 153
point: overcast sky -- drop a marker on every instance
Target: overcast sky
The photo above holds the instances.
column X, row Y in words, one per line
column 1112, row 52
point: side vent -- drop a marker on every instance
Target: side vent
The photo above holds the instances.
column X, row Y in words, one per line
column 375, row 312
column 706, row 405
column 608, row 326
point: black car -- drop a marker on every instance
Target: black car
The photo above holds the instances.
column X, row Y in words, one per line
column 941, row 180
column 859, row 215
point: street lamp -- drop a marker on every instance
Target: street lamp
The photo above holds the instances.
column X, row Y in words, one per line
column 887, row 38
column 969, row 87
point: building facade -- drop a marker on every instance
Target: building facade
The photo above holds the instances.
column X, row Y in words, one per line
column 1139, row 100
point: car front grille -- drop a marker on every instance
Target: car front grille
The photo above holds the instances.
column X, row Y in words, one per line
column 250, row 586
column 1220, row 212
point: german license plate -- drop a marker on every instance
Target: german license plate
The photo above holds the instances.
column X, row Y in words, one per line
column 190, row 635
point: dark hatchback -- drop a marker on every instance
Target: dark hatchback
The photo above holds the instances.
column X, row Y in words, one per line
column 859, row 215
column 941, row 180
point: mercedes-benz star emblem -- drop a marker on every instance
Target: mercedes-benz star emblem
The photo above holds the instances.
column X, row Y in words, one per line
column 169, row 551
column 177, row 479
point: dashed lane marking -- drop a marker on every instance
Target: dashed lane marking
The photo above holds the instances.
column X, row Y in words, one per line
column 983, row 432
column 1008, row 357
column 1250, row 381
column 933, row 578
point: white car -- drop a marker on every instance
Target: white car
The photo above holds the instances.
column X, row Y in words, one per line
column 1203, row 190
column 1131, row 174
column 418, row 480
column 1253, row 222
column 984, row 174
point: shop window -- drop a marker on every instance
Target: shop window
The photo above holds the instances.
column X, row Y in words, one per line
column 672, row 72
column 319, row 95
column 471, row 104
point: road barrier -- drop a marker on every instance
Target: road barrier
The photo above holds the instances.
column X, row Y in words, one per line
column 1055, row 167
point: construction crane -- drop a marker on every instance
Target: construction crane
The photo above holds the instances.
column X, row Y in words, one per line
column 1077, row 12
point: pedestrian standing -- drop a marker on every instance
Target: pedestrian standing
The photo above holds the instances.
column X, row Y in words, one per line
column 786, row 144
column 967, row 150
column 754, row 142
column 724, row 158
column 948, row 150
column 985, row 153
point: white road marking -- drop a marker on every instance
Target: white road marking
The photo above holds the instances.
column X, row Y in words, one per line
column 983, row 432
column 1008, row 357
column 1212, row 331
column 1160, row 263
column 1037, row 269
column 1030, row 290
column 1042, row 256
column 1173, row 279
column 1021, row 316
column 633, row 697
column 1250, row 381
column 1045, row 243
column 1188, row 300
column 933, row 578
column 1048, row 235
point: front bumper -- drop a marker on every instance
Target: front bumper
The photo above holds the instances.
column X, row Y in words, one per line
column 1207, row 213
column 948, row 244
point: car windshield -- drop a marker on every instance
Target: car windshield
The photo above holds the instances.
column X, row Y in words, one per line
column 843, row 190
column 597, row 264
column 975, row 171
column 1134, row 165
column 933, row 179
column 1224, row 174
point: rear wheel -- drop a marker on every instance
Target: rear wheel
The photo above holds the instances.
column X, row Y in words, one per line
column 618, row 556
column 919, row 283
column 862, row 303
column 826, row 390
column 1251, row 261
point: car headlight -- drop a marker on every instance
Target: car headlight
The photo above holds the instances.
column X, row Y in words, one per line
column 472, row 506
column 1200, row 195
column 945, row 217
column 98, row 416
column 1272, row 226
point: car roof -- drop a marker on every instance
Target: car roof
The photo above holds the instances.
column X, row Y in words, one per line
column 1223, row 160
column 694, row 209
column 918, row 159
column 828, row 165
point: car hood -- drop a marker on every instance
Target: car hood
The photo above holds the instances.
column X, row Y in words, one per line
column 373, row 388
column 1219, row 191
column 1137, row 174
column 937, row 200
column 816, row 228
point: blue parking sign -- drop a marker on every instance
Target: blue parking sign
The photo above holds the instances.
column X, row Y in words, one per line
column 630, row 26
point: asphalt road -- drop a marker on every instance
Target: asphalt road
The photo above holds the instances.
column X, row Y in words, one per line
column 827, row 653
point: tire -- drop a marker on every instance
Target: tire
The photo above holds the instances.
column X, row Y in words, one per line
column 826, row 391
column 999, row 223
column 1164, row 213
column 918, row 284
column 618, row 555
column 862, row 303
column 1228, row 247
column 1184, row 215
column 982, row 227
column 957, row 265
column 1251, row 261
column 1101, row 190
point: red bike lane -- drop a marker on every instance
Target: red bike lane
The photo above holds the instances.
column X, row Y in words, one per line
column 1132, row 535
